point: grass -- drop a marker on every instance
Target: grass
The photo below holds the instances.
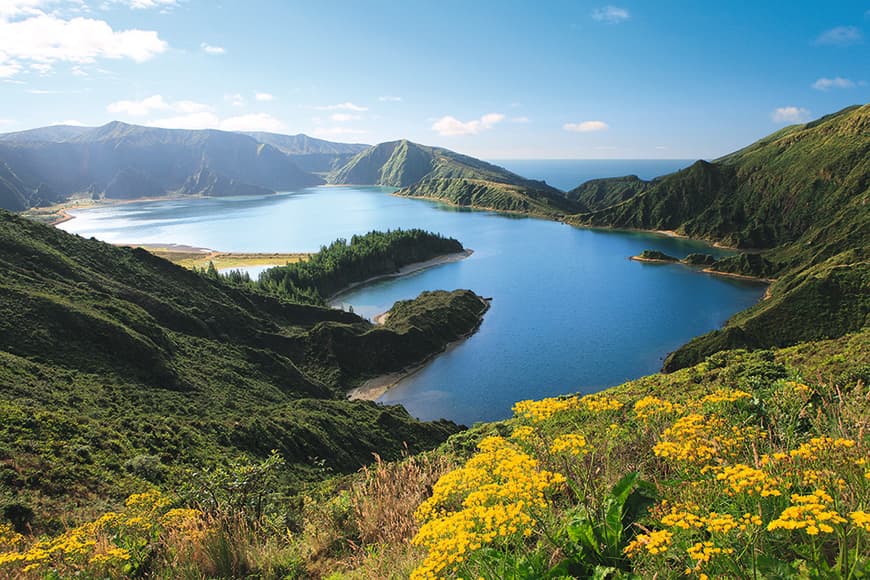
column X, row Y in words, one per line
column 748, row 464
column 223, row 260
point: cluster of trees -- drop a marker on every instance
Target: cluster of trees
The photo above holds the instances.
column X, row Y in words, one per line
column 343, row 263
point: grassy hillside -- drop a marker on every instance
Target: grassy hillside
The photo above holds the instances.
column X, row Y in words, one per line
column 121, row 370
column 443, row 175
column 749, row 463
column 801, row 196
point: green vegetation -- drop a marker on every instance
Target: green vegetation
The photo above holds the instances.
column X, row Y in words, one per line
column 748, row 463
column 655, row 256
column 697, row 259
column 598, row 194
column 343, row 263
column 440, row 174
column 120, row 371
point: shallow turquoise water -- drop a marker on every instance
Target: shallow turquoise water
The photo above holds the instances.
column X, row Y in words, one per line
column 569, row 312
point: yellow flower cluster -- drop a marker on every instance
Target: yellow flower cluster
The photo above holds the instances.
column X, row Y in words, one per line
column 811, row 513
column 523, row 433
column 545, row 408
column 489, row 498
column 717, row 523
column 683, row 516
column 648, row 407
column 9, row 538
column 747, row 520
column 741, row 478
column 600, row 403
column 89, row 543
column 798, row 388
column 725, row 396
column 654, row 543
column 820, row 447
column 691, row 439
column 703, row 552
column 570, row 444
column 861, row 519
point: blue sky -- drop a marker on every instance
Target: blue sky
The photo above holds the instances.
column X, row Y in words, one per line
column 501, row 79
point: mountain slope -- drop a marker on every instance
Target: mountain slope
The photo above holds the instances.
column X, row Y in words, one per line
column 310, row 154
column 128, row 161
column 802, row 195
column 112, row 358
column 440, row 174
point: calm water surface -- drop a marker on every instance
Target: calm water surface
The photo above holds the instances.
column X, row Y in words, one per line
column 569, row 312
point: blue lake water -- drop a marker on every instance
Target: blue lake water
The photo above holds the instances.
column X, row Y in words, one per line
column 569, row 312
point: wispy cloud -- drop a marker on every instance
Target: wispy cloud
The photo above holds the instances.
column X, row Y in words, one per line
column 38, row 39
column 209, row 120
column 586, row 126
column 389, row 99
column 235, row 99
column 156, row 103
column 610, row 14
column 344, row 117
column 826, row 84
column 69, row 123
column 841, row 36
column 212, row 49
column 450, row 126
column 790, row 114
column 520, row 120
column 264, row 97
column 147, row 4
column 346, row 106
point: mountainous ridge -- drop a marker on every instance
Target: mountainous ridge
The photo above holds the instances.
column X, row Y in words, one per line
column 121, row 161
column 444, row 175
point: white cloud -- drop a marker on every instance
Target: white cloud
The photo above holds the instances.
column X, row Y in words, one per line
column 5, row 122
column 156, row 103
column 346, row 106
column 145, row 4
column 841, row 36
column 520, row 120
column 790, row 114
column 335, row 131
column 209, row 120
column 264, row 97
column 586, row 126
column 344, row 117
column 211, row 49
column 40, row 40
column 389, row 99
column 610, row 14
column 252, row 122
column 9, row 8
column 826, row 84
column 235, row 99
column 69, row 123
column 449, row 126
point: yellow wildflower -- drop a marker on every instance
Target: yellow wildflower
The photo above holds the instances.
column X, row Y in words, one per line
column 571, row 444
column 654, row 542
column 811, row 513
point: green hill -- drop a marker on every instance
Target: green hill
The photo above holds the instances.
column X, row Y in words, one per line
column 119, row 369
column 443, row 175
column 799, row 196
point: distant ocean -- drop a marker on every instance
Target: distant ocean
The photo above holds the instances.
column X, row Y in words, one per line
column 566, row 174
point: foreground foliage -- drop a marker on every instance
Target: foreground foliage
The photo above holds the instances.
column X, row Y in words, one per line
column 749, row 464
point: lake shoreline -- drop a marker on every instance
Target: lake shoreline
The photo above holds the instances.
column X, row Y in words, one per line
column 403, row 271
column 374, row 388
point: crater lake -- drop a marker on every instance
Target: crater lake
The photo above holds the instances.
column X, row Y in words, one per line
column 569, row 313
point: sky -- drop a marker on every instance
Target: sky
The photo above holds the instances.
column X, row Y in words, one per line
column 502, row 79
